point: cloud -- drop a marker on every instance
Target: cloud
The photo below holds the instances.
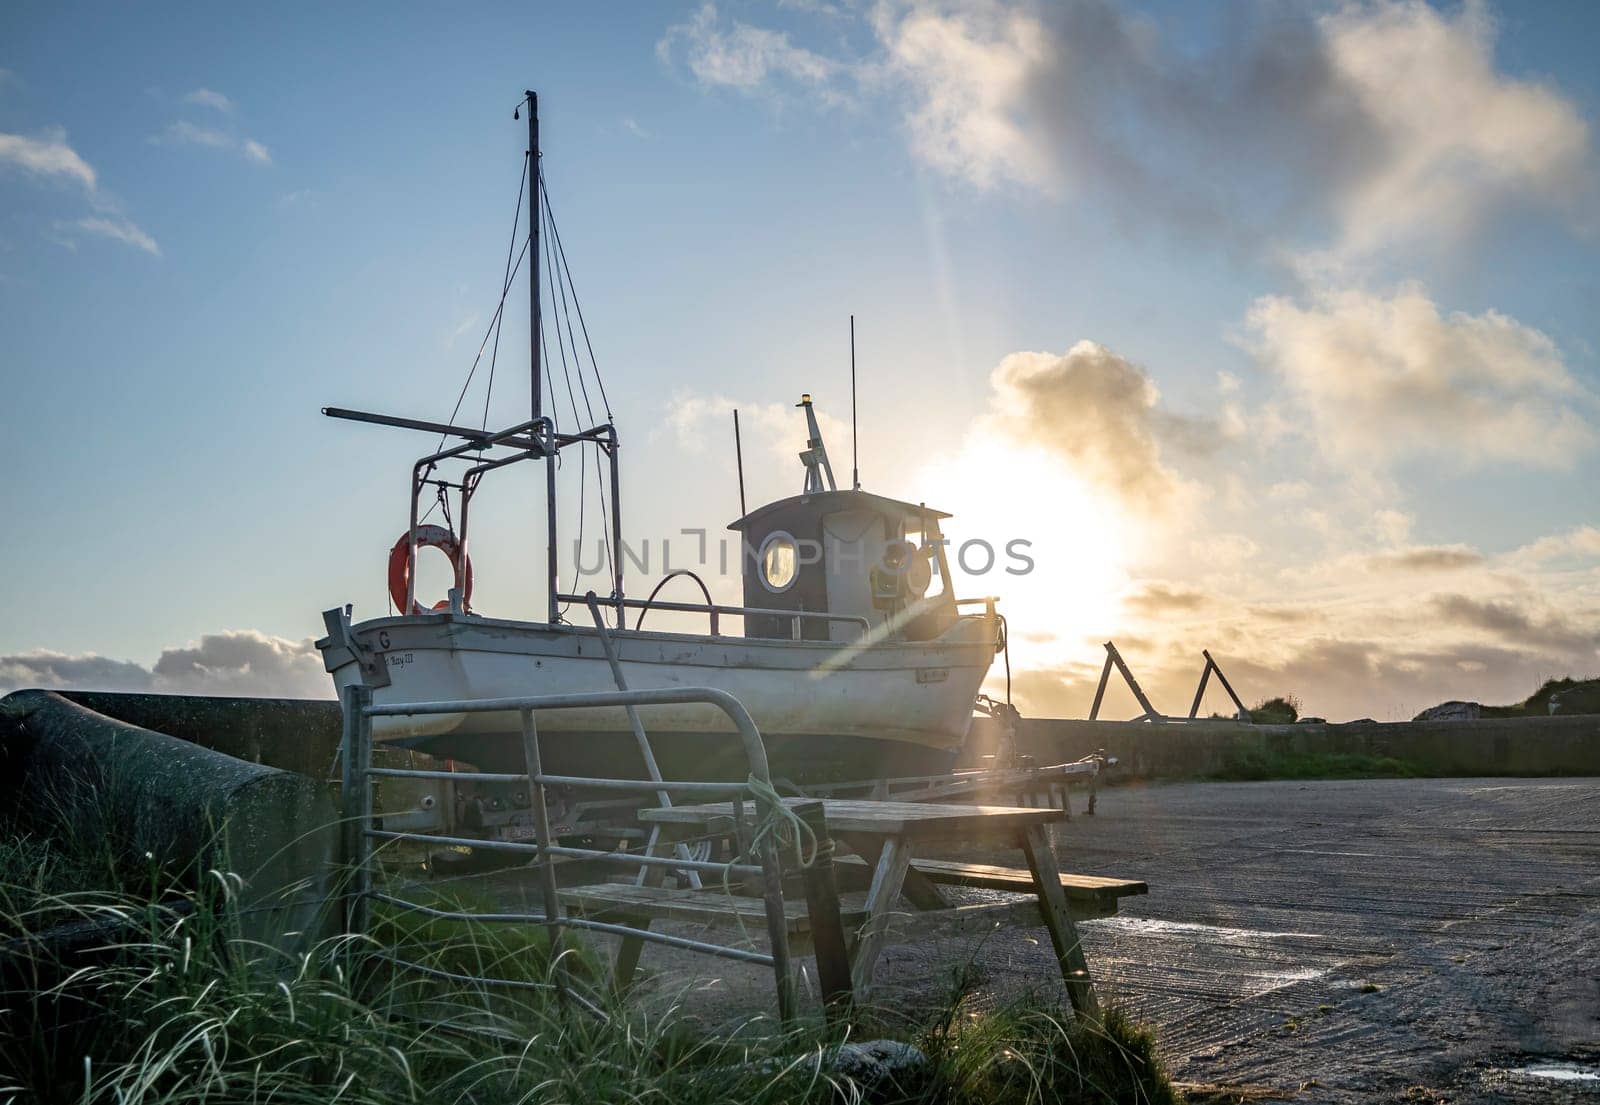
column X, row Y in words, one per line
column 44, row 668
column 1156, row 598
column 119, row 230
column 51, row 157
column 183, row 133
column 1382, row 378
column 205, row 97
column 740, row 56
column 1312, row 136
column 1427, row 558
column 779, row 428
column 970, row 75
column 1582, row 543
column 233, row 662
column 47, row 156
column 1458, row 136
column 1512, row 623
column 1100, row 413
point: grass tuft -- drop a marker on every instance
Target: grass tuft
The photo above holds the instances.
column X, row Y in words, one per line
column 163, row 1003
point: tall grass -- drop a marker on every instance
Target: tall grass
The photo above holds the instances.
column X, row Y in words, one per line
column 155, row 997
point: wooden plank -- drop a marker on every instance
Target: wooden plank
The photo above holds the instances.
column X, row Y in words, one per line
column 1087, row 896
column 710, row 906
column 1058, row 919
column 990, row 877
column 626, row 963
column 964, row 920
column 888, row 818
column 825, row 916
column 887, row 879
column 918, row 889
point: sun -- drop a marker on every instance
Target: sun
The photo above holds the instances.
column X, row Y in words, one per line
column 1029, row 530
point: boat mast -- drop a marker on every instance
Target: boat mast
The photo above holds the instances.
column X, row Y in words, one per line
column 534, row 331
column 549, row 446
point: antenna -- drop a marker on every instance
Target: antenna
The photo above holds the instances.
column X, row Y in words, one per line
column 738, row 453
column 855, row 467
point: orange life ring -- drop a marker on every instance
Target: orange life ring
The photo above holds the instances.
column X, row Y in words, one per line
column 436, row 537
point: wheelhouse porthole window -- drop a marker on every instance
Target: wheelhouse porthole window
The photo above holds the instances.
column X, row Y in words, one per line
column 780, row 562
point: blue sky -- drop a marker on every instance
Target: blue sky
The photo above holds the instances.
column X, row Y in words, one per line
column 1337, row 262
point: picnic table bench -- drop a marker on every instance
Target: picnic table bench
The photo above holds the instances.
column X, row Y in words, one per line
column 889, row 840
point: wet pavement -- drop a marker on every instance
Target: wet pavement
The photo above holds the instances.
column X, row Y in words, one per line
column 1375, row 940
column 1383, row 940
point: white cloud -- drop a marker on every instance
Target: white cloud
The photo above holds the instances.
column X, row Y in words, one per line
column 775, row 428
column 205, row 97
column 57, row 670
column 1391, row 526
column 234, row 662
column 970, row 71
column 1581, row 543
column 1099, row 412
column 184, row 133
column 1317, row 138
column 119, row 230
column 1386, row 377
column 48, row 156
column 1458, row 135
column 740, row 56
column 51, row 157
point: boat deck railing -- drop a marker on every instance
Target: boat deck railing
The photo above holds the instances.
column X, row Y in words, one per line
column 758, row 862
column 717, row 610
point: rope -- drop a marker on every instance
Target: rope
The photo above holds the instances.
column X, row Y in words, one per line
column 777, row 817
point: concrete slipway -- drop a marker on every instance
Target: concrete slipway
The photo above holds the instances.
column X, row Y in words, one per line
column 1387, row 940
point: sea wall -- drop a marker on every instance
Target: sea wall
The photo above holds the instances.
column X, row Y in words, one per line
column 155, row 799
column 1564, row 745
column 293, row 734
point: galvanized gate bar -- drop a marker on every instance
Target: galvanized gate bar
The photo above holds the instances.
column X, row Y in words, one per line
column 359, row 772
column 650, row 766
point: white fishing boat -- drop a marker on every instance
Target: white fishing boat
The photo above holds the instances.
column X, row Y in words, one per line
column 850, row 649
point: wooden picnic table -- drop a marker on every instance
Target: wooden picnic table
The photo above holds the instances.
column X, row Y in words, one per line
column 890, row 836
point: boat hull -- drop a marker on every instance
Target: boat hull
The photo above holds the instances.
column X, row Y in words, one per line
column 825, row 710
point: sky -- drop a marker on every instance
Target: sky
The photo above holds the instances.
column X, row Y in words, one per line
column 1271, row 328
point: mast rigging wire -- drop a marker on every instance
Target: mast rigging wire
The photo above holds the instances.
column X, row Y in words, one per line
column 563, row 294
column 561, row 251
column 505, row 289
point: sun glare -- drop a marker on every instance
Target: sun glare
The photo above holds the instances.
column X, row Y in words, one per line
column 1025, row 505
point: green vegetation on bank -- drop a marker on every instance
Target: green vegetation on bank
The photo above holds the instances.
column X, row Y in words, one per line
column 1577, row 696
column 1283, row 710
column 1253, row 764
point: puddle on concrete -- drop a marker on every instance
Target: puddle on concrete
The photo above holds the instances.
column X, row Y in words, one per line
column 1215, row 932
column 1275, row 975
column 1559, row 1072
